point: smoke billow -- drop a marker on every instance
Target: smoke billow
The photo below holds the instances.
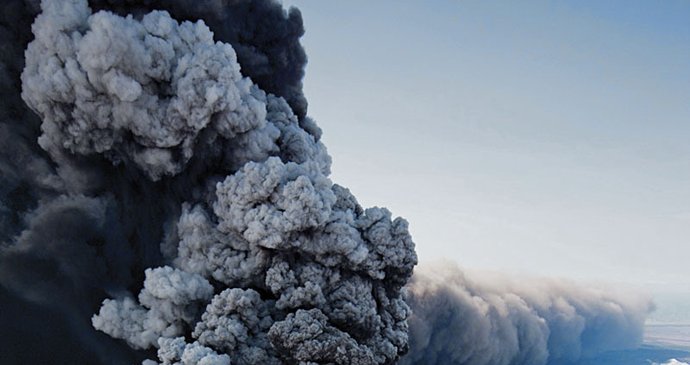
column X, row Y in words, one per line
column 492, row 320
column 263, row 35
column 184, row 156
column 165, row 198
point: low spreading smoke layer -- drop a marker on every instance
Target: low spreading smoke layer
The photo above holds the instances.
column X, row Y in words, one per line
column 494, row 320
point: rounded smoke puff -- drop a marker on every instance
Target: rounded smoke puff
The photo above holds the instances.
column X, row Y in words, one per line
column 170, row 302
column 140, row 91
column 175, row 351
column 274, row 265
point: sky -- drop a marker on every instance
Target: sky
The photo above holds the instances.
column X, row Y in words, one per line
column 548, row 138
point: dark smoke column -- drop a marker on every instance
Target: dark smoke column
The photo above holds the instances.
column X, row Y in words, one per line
column 264, row 260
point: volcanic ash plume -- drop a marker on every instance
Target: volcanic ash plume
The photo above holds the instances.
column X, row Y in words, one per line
column 492, row 320
column 270, row 264
column 165, row 198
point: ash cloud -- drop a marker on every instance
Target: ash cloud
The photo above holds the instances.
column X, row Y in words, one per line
column 165, row 198
column 182, row 207
column 461, row 318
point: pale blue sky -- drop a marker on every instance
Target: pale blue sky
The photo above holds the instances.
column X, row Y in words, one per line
column 543, row 137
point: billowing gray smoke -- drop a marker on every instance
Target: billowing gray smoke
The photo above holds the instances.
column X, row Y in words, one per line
column 495, row 320
column 254, row 255
column 165, row 198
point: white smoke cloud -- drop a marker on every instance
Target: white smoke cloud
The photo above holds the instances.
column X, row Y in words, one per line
column 490, row 320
